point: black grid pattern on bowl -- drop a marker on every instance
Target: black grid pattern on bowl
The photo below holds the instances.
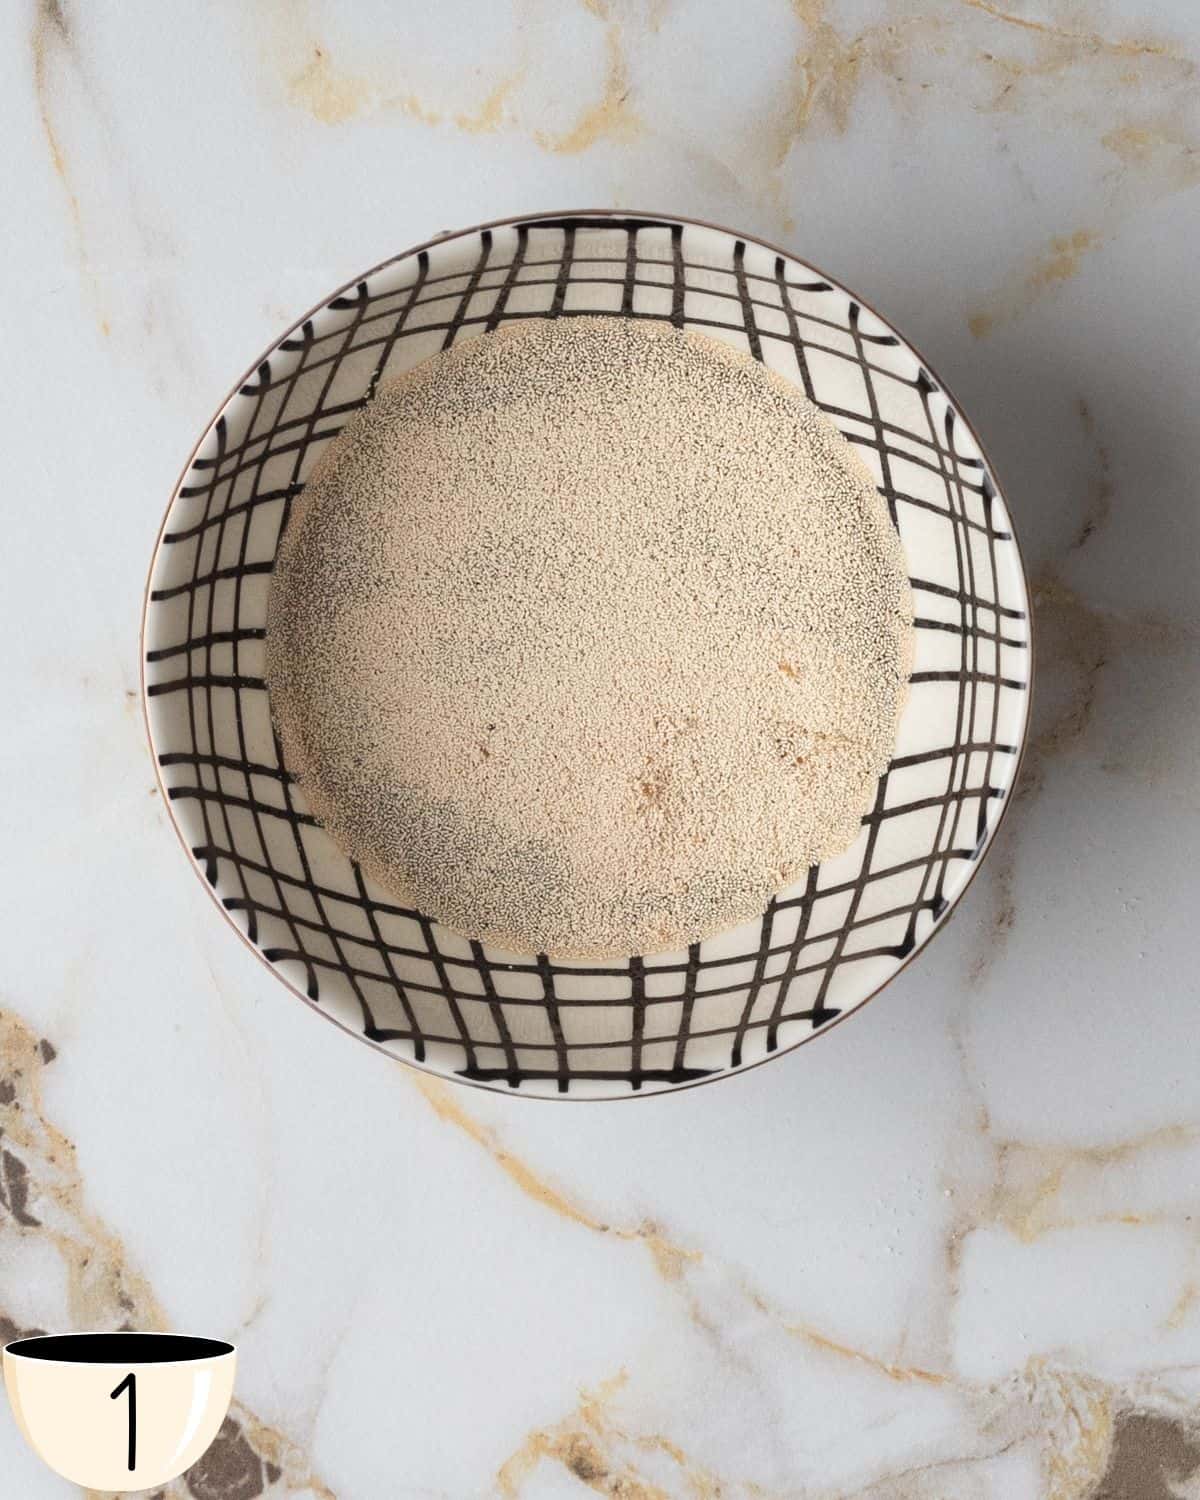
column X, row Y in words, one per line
column 392, row 973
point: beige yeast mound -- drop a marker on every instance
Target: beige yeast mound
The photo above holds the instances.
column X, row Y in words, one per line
column 588, row 636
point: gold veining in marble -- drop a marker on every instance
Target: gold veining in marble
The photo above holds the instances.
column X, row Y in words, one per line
column 281, row 1458
column 995, row 60
column 332, row 95
column 903, row 1374
column 1185, row 1304
column 1139, row 104
column 65, row 83
column 998, row 59
column 1051, row 267
column 1076, row 1462
column 1074, row 1436
column 828, row 71
column 1091, row 40
column 1070, row 1424
column 1069, row 1418
column 613, row 116
column 1034, row 1188
column 491, row 113
column 52, row 36
column 441, row 1098
column 1031, row 1181
column 669, row 1259
column 1164, row 147
column 591, row 1446
column 328, row 94
column 1075, row 1419
column 826, row 75
column 656, row 13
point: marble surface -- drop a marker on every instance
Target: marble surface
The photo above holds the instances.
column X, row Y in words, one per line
column 949, row 1252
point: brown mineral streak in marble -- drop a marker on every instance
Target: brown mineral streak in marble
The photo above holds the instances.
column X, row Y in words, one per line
column 10, row 1331
column 1099, row 502
column 1152, row 1458
column 581, row 1456
column 1001, row 880
column 42, row 1195
column 232, row 1468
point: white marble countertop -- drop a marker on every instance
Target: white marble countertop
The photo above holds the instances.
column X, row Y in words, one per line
column 952, row 1250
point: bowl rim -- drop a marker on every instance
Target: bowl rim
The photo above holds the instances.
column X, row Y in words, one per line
column 220, row 1348
column 507, row 220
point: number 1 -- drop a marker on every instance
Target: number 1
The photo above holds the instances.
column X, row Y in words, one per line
column 129, row 1384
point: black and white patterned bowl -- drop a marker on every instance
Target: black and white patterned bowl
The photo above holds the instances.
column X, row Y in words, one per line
column 399, row 979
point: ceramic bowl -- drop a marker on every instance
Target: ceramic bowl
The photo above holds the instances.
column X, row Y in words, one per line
column 119, row 1411
column 586, row 1030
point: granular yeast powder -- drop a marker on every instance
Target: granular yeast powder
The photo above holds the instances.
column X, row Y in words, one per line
column 589, row 635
